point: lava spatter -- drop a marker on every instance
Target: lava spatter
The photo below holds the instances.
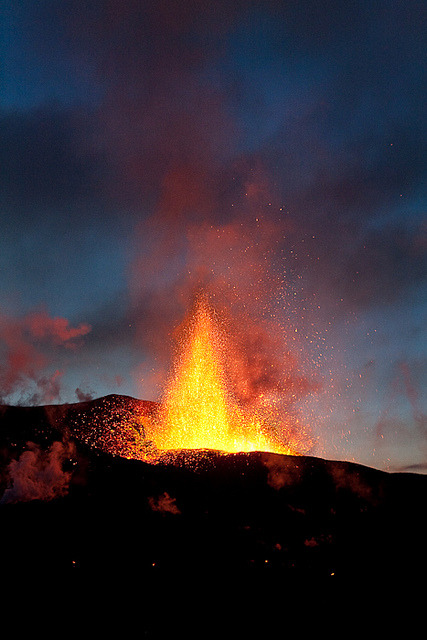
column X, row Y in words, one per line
column 198, row 410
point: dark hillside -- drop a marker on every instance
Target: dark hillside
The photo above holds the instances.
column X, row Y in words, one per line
column 196, row 512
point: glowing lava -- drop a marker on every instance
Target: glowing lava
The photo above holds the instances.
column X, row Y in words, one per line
column 198, row 411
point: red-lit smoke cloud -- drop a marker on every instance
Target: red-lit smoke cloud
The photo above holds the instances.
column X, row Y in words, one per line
column 43, row 327
column 27, row 344
column 235, row 260
column 209, row 216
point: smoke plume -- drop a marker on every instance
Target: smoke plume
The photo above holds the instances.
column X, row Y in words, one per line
column 27, row 347
column 83, row 396
column 38, row 474
column 164, row 504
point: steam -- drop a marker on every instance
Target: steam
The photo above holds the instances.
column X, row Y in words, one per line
column 38, row 474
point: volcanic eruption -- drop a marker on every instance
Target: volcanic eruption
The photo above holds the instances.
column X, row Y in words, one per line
column 198, row 410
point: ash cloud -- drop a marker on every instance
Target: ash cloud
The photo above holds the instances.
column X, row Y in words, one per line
column 179, row 128
column 38, row 474
column 175, row 135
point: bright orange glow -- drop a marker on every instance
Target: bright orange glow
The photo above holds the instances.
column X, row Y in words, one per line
column 198, row 411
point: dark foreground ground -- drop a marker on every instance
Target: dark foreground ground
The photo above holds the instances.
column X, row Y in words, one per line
column 256, row 517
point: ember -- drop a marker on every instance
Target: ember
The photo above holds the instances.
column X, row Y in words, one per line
column 198, row 410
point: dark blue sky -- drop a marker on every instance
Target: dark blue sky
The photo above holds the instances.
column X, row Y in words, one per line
column 271, row 153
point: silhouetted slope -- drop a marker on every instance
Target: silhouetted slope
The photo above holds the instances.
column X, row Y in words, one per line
column 206, row 512
column 111, row 423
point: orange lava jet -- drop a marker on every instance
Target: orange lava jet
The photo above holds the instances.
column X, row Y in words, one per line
column 198, row 410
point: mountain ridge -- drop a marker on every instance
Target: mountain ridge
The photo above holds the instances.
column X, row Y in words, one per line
column 56, row 417
column 194, row 511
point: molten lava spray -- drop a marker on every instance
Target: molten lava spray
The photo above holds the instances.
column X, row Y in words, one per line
column 198, row 410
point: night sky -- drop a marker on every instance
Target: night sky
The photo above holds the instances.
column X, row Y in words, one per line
column 271, row 154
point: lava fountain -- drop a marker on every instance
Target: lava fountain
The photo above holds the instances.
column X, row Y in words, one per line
column 198, row 410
